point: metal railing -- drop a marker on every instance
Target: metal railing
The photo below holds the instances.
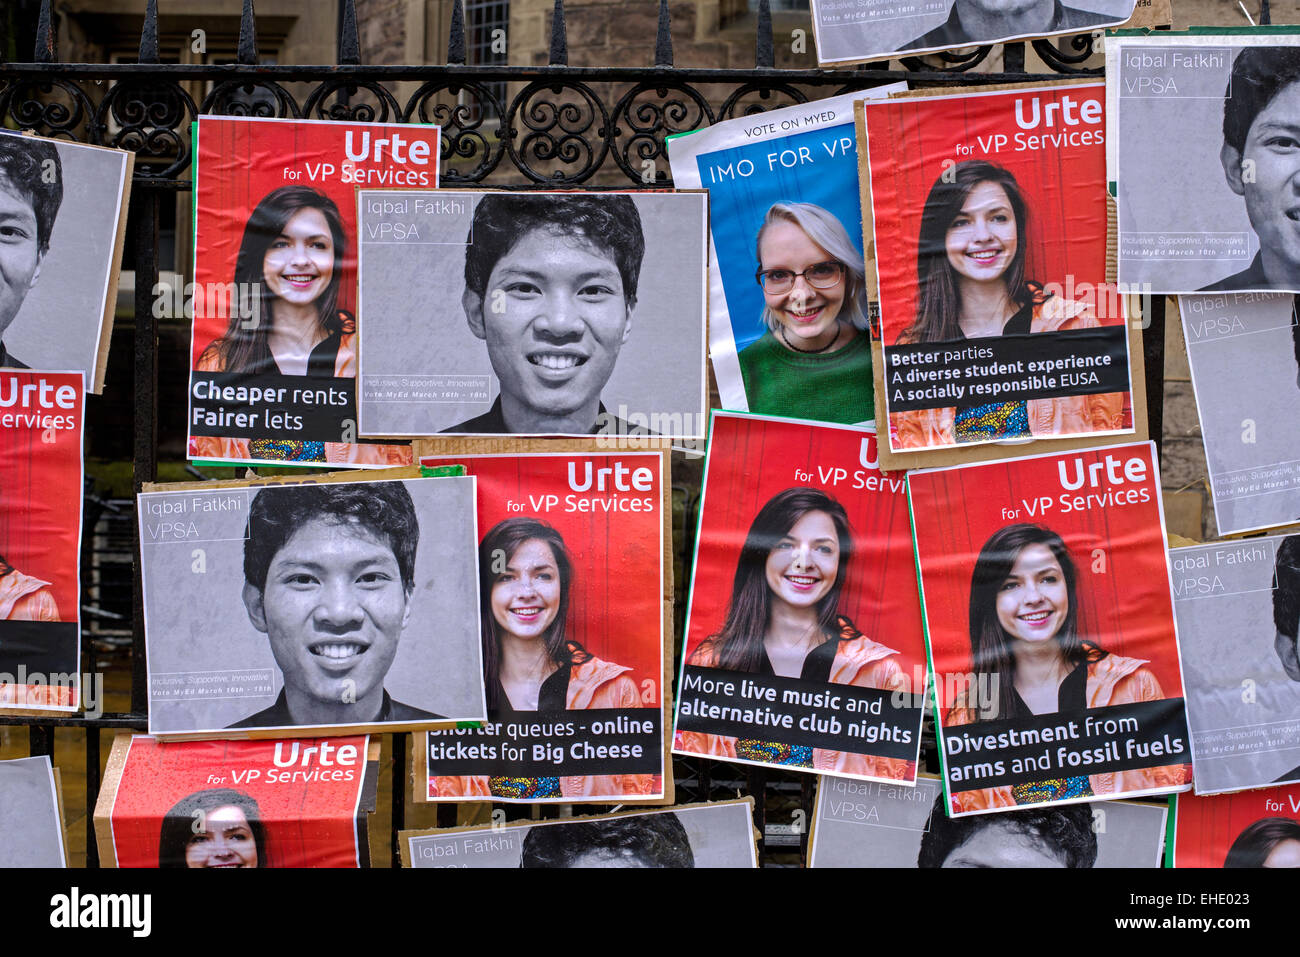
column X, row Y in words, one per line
column 558, row 126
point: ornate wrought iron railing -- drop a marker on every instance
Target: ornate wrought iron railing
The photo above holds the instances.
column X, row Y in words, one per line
column 557, row 126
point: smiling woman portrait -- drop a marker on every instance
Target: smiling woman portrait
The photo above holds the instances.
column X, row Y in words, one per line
column 285, row 320
column 218, row 827
column 814, row 361
column 1024, row 630
column 530, row 664
column 784, row 620
column 971, row 284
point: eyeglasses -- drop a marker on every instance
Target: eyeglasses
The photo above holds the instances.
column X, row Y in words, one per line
column 818, row 275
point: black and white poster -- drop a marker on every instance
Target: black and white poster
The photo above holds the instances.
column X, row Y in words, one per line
column 31, row 827
column 868, row 824
column 1238, row 608
column 696, row 835
column 62, row 212
column 1223, row 110
column 343, row 605
column 532, row 313
column 854, row 31
column 1244, row 352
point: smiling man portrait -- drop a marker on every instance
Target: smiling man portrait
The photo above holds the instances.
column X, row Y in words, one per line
column 984, row 21
column 1261, row 161
column 31, row 191
column 328, row 575
column 551, row 287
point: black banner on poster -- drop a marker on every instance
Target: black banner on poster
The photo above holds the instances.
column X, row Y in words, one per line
column 1148, row 734
column 797, row 712
column 231, row 405
column 1009, row 368
column 33, row 648
column 559, row 744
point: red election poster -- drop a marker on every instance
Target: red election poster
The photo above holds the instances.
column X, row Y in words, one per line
column 989, row 221
column 297, row 803
column 274, row 350
column 803, row 634
column 572, row 610
column 1050, row 628
column 40, row 540
column 1259, row 828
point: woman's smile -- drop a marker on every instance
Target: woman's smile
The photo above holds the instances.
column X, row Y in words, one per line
column 803, row 565
column 525, row 598
column 299, row 263
column 983, row 238
column 1033, row 600
column 809, row 316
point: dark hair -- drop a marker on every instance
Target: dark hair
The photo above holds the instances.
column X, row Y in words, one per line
column 22, row 161
column 244, row 349
column 1286, row 592
column 277, row 512
column 178, row 823
column 610, row 222
column 499, row 544
column 938, row 305
column 1253, row 845
column 1063, row 831
column 1258, row 75
column 740, row 642
column 1295, row 329
column 988, row 639
column 657, row 840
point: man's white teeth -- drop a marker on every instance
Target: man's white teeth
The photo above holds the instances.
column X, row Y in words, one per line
column 555, row 362
column 338, row 650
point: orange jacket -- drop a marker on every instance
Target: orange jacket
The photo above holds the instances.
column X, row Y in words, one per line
column 1065, row 415
column 859, row 662
column 594, row 684
column 24, row 598
column 336, row 453
column 1112, row 680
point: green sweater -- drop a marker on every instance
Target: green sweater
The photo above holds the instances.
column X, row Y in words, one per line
column 832, row 387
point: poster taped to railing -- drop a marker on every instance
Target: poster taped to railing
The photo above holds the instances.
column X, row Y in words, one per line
column 31, row 814
column 573, row 600
column 866, row 824
column 803, row 638
column 341, row 605
column 1243, row 350
column 1245, row 829
column 988, row 214
column 63, row 206
column 1050, row 627
column 237, row 804
column 274, row 348
column 714, row 835
column 41, row 417
column 533, row 313
column 1238, row 606
column 784, row 203
column 856, row 32
column 1224, row 105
